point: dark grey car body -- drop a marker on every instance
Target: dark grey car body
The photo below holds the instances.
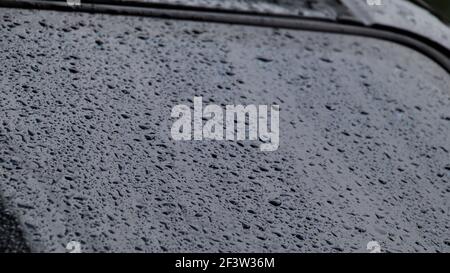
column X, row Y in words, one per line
column 86, row 153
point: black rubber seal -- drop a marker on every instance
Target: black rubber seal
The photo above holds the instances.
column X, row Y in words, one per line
column 11, row 236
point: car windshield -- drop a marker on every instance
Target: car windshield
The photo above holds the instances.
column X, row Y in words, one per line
column 323, row 9
column 440, row 8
